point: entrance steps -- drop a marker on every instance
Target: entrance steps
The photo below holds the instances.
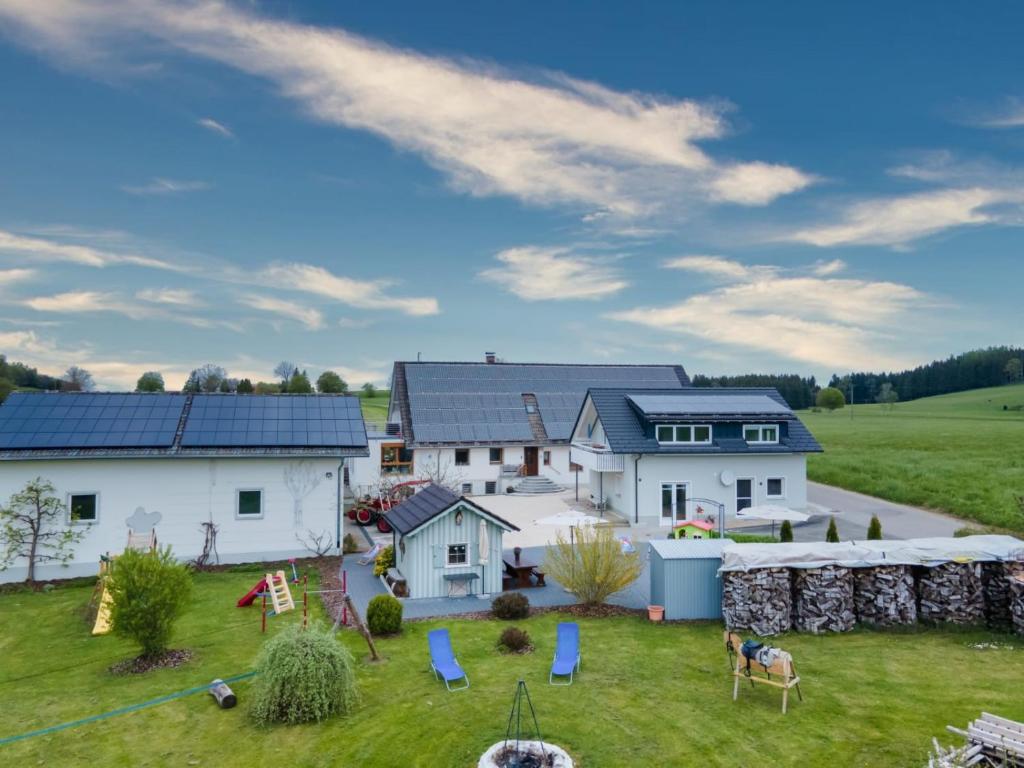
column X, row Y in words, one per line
column 537, row 484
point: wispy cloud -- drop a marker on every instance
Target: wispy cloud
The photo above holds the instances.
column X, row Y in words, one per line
column 308, row 316
column 547, row 139
column 8, row 276
column 161, row 186
column 550, row 274
column 716, row 266
column 362, row 294
column 215, row 127
column 48, row 249
column 178, row 297
column 1008, row 114
column 826, row 268
column 73, row 302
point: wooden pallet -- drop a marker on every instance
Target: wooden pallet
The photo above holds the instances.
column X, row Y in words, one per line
column 991, row 741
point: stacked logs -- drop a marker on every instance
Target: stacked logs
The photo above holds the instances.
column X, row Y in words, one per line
column 995, row 581
column 951, row 592
column 1017, row 603
column 760, row 600
column 885, row 596
column 823, row 599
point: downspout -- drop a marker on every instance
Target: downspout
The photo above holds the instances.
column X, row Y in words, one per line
column 636, row 488
column 339, row 505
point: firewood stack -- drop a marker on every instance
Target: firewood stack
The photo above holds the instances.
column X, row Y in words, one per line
column 951, row 592
column 759, row 600
column 1017, row 603
column 885, row 595
column 823, row 599
column 995, row 580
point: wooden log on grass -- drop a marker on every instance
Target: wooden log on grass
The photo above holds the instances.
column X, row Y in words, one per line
column 363, row 629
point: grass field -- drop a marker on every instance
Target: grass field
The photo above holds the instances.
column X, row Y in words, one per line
column 375, row 409
column 648, row 695
column 959, row 453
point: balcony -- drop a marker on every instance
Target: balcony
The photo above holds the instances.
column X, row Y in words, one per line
column 596, row 457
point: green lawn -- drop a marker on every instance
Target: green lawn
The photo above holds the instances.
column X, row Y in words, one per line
column 960, row 453
column 375, row 409
column 648, row 695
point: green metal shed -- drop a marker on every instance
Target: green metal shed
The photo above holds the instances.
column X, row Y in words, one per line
column 684, row 577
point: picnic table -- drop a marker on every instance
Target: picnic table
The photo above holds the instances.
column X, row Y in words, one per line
column 522, row 572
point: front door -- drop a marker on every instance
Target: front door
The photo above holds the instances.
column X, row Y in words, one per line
column 530, row 460
column 744, row 493
column 673, row 503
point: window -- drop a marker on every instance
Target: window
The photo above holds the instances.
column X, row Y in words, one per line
column 462, row 457
column 84, row 507
column 458, row 554
column 683, row 434
column 775, row 487
column 490, row 487
column 395, row 459
column 467, row 489
column 761, row 433
column 673, row 502
column 496, row 455
column 250, row 503
column 744, row 493
column 547, row 458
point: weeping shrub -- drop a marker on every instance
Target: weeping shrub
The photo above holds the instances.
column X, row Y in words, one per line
column 384, row 615
column 302, row 675
column 149, row 590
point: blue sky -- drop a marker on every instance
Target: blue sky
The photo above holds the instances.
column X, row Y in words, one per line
column 735, row 187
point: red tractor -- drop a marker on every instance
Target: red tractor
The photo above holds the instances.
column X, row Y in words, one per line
column 370, row 509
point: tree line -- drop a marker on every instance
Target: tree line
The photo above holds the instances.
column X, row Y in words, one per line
column 798, row 391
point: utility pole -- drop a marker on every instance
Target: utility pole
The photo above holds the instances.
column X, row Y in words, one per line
column 851, row 397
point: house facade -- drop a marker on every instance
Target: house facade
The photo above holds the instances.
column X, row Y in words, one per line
column 665, row 457
column 264, row 469
column 487, row 427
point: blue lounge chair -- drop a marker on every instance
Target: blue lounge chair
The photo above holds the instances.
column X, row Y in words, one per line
column 443, row 661
column 567, row 653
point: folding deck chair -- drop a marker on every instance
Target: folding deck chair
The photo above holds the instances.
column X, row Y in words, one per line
column 442, row 660
column 567, row 653
column 371, row 555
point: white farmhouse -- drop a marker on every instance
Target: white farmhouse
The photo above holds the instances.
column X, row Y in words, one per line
column 486, row 427
column 663, row 457
column 264, row 469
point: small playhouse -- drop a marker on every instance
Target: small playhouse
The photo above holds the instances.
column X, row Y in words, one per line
column 693, row 529
column 446, row 545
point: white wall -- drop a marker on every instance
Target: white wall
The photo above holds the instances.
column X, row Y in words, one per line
column 186, row 492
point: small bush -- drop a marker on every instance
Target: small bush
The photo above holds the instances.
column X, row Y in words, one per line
column 786, row 531
column 149, row 591
column 510, row 605
column 385, row 560
column 832, row 535
column 302, row 675
column 874, row 529
column 349, row 544
column 959, row 533
column 384, row 615
column 514, row 640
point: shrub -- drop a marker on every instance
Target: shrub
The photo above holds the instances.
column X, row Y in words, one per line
column 514, row 640
column 831, row 399
column 384, row 615
column 786, row 531
column 595, row 568
column 832, row 535
column 149, row 590
column 302, row 675
column 385, row 560
column 510, row 605
column 874, row 528
column 349, row 544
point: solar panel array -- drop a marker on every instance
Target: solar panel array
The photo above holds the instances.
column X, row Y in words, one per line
column 701, row 404
column 273, row 421
column 87, row 420
column 473, row 403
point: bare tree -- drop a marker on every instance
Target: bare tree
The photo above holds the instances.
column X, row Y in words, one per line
column 318, row 542
column 887, row 396
column 32, row 527
column 205, row 378
column 441, row 473
column 300, row 478
column 285, row 370
column 77, row 379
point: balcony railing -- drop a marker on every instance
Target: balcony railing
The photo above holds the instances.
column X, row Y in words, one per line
column 596, row 456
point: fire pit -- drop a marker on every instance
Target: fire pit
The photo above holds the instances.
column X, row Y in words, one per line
column 515, row 751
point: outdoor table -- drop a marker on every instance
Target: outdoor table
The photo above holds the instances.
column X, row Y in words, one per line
column 522, row 571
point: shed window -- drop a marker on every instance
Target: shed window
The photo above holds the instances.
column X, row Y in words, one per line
column 458, row 554
column 462, row 457
column 761, row 433
column 496, row 455
column 775, row 487
column 250, row 503
column 683, row 434
column 84, row 507
column 395, row 459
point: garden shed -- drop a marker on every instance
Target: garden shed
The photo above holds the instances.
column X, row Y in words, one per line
column 447, row 546
column 684, row 577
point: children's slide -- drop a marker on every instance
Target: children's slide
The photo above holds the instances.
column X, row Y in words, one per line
column 251, row 595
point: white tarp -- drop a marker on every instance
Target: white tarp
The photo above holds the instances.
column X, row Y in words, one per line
column 864, row 554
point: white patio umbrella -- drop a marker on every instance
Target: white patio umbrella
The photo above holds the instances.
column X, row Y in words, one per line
column 773, row 512
column 484, row 544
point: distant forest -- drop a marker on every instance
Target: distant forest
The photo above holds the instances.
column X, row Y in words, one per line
column 20, row 376
column 971, row 370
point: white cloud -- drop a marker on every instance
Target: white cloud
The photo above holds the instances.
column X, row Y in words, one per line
column 715, row 266
column 8, row 276
column 178, row 297
column 1010, row 114
column 308, row 316
column 73, row 302
column 160, row 186
column 538, row 274
column 549, row 139
column 826, row 268
column 362, row 294
column 45, row 249
column 216, row 127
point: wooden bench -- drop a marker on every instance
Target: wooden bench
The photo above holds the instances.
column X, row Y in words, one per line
column 539, row 573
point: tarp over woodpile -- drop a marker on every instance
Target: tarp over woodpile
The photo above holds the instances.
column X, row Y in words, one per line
column 867, row 554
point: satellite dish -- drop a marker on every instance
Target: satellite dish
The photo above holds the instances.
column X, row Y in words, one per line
column 727, row 477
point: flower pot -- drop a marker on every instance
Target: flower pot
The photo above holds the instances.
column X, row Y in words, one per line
column 655, row 612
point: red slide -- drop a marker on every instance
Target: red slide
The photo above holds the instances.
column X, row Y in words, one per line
column 250, row 596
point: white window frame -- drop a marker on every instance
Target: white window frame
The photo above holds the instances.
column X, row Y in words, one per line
column 760, row 434
column 238, row 504
column 94, row 521
column 675, row 434
column 753, row 492
column 447, row 555
column 782, row 481
column 674, row 519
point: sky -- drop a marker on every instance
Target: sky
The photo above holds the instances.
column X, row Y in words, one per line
column 736, row 187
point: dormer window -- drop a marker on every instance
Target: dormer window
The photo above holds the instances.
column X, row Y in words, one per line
column 683, row 434
column 761, row 434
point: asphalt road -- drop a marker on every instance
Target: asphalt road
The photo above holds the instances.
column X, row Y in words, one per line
column 853, row 512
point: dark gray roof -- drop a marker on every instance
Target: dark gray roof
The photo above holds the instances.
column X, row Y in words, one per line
column 50, row 425
column 692, row 404
column 428, row 503
column 626, row 431
column 482, row 403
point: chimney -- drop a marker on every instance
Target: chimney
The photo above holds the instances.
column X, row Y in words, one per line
column 490, row 357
